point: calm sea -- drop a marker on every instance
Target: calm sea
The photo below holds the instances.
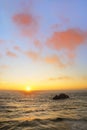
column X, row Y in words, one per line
column 37, row 111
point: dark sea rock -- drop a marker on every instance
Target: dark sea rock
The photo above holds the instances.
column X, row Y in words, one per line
column 60, row 96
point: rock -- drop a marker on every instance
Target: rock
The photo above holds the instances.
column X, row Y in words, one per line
column 60, row 96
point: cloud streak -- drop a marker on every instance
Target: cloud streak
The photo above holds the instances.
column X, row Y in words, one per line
column 4, row 66
column 61, row 78
column 17, row 48
column 54, row 59
column 11, row 54
column 32, row 55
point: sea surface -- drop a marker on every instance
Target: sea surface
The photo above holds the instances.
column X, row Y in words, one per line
column 37, row 111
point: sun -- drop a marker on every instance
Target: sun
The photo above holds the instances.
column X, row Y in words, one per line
column 28, row 88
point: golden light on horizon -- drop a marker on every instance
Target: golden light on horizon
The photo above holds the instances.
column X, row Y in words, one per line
column 28, row 88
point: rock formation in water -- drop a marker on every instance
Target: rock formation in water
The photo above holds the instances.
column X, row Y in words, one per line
column 60, row 96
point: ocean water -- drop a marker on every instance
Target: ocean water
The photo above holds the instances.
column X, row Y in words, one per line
column 37, row 111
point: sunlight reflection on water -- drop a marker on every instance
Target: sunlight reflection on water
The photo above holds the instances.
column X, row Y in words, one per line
column 38, row 110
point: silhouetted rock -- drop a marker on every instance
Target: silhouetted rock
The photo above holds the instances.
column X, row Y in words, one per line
column 61, row 96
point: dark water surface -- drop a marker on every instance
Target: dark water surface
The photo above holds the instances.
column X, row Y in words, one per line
column 37, row 111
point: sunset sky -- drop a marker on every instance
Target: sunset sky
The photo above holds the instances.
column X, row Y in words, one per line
column 43, row 44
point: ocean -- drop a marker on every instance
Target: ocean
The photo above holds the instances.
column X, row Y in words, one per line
column 37, row 111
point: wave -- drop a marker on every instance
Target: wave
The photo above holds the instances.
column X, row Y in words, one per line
column 67, row 119
column 57, row 119
column 30, row 111
column 6, row 107
column 39, row 123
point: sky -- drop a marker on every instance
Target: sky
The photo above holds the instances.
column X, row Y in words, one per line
column 43, row 44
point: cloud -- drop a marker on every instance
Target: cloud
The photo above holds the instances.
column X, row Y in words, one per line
column 38, row 44
column 4, row 66
column 1, row 41
column 61, row 78
column 17, row 48
column 54, row 60
column 26, row 22
column 71, row 55
column 11, row 54
column 68, row 40
column 32, row 55
column 0, row 55
column 28, row 32
column 23, row 19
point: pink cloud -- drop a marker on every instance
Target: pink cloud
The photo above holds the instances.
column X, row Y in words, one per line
column 27, row 23
column 17, row 48
column 71, row 55
column 24, row 19
column 54, row 60
column 1, row 41
column 68, row 40
column 11, row 54
column 38, row 44
column 32, row 55
column 28, row 32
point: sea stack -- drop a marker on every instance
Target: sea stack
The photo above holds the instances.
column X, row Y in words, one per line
column 60, row 96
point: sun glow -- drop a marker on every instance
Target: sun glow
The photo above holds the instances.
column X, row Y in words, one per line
column 28, row 88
